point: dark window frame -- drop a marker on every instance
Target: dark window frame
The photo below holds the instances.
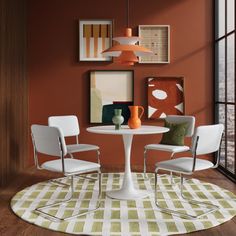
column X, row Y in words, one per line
column 226, row 35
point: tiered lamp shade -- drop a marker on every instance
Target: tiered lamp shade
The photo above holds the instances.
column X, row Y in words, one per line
column 127, row 51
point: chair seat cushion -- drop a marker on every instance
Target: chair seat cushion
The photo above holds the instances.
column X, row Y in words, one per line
column 167, row 148
column 81, row 148
column 184, row 165
column 71, row 166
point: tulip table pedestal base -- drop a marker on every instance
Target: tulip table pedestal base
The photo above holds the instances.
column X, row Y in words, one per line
column 127, row 190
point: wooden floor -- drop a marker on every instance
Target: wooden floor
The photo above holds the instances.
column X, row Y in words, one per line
column 11, row 225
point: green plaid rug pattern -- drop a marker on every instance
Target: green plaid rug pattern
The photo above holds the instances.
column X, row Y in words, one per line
column 124, row 218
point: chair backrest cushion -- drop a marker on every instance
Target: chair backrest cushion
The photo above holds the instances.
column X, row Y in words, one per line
column 48, row 140
column 68, row 124
column 176, row 134
column 183, row 119
column 209, row 138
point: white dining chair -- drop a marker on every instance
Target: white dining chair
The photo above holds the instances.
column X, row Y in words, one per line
column 207, row 139
column 50, row 141
column 172, row 149
column 70, row 128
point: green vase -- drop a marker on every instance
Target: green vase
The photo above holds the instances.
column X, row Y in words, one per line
column 117, row 119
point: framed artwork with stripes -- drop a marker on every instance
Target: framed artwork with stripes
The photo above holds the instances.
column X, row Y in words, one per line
column 95, row 36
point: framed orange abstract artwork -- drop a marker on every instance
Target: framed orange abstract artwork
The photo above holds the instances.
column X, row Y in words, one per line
column 95, row 36
column 165, row 97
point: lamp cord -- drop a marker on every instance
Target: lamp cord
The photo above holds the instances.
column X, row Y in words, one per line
column 127, row 16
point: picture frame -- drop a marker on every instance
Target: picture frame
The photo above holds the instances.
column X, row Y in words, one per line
column 95, row 36
column 109, row 90
column 157, row 39
column 165, row 96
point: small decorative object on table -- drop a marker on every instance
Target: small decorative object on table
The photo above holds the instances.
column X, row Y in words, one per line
column 134, row 121
column 117, row 119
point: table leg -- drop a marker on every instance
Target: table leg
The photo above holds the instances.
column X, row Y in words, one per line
column 127, row 191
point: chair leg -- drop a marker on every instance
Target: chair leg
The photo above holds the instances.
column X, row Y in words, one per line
column 211, row 207
column 58, row 183
column 145, row 167
column 99, row 187
column 180, row 214
column 71, row 155
column 86, row 177
column 144, row 164
column 98, row 156
column 171, row 174
column 98, row 160
column 91, row 178
column 55, row 218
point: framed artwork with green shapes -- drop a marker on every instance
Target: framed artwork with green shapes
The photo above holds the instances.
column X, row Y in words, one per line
column 109, row 90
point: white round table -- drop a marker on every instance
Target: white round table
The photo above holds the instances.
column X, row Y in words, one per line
column 127, row 191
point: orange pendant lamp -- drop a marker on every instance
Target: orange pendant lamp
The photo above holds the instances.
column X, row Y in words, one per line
column 127, row 51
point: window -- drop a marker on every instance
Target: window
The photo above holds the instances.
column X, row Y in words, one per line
column 225, row 81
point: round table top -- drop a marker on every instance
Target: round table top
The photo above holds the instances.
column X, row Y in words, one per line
column 144, row 129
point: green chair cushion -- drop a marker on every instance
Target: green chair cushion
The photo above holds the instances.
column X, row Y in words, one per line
column 176, row 134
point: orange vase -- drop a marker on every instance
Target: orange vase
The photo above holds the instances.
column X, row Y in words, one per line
column 134, row 121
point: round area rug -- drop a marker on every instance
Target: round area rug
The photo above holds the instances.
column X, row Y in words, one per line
column 124, row 218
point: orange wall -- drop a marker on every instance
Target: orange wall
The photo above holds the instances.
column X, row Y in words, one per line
column 59, row 85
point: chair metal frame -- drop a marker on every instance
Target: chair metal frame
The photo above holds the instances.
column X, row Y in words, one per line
column 77, row 142
column 171, row 156
column 98, row 160
column 40, row 211
column 211, row 207
column 145, row 165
